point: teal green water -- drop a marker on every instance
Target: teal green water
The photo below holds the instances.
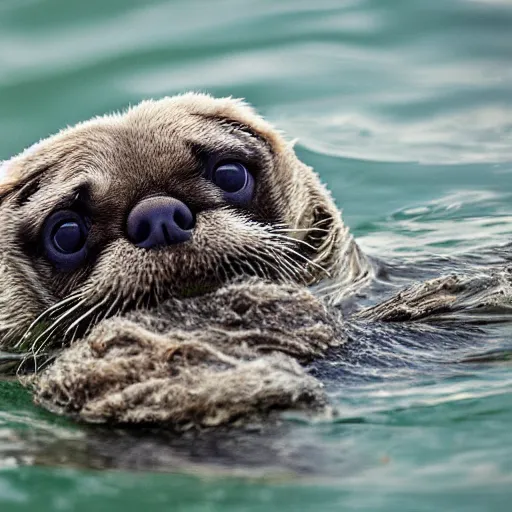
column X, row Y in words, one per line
column 405, row 109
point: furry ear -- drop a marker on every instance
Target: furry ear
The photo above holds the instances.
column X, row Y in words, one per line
column 15, row 171
column 10, row 176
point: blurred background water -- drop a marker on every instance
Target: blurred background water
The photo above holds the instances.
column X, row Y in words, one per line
column 404, row 107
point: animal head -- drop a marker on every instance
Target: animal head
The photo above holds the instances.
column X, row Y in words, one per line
column 171, row 198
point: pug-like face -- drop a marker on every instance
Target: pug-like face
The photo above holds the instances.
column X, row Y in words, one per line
column 172, row 198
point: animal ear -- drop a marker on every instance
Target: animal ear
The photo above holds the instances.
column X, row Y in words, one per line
column 17, row 170
column 10, row 176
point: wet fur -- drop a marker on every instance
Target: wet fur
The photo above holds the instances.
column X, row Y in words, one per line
column 232, row 355
column 214, row 330
column 291, row 233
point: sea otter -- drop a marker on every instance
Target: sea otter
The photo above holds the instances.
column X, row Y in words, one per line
column 187, row 262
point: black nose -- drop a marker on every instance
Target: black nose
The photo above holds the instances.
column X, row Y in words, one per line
column 159, row 221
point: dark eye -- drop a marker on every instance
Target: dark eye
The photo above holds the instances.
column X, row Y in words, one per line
column 236, row 181
column 64, row 236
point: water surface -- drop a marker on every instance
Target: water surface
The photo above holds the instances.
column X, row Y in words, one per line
column 405, row 109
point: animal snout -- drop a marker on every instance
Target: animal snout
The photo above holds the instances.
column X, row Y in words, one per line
column 159, row 222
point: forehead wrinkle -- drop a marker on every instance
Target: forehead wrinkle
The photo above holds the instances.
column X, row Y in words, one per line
column 215, row 139
column 172, row 138
column 83, row 166
column 221, row 145
column 232, row 126
column 49, row 199
column 100, row 159
column 165, row 128
column 58, row 157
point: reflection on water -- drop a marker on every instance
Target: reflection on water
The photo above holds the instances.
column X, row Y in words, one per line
column 405, row 109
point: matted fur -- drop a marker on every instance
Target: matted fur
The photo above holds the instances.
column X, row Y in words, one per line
column 200, row 362
column 481, row 298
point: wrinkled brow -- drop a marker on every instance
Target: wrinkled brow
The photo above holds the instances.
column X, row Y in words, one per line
column 35, row 211
column 224, row 148
column 27, row 169
column 28, row 184
column 233, row 127
column 232, row 140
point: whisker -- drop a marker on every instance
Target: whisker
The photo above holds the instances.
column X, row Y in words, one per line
column 55, row 324
column 288, row 262
column 45, row 313
column 309, row 261
column 278, row 271
column 112, row 306
column 295, row 241
column 85, row 315
column 299, row 230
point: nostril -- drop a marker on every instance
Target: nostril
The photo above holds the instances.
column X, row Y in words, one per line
column 142, row 231
column 183, row 219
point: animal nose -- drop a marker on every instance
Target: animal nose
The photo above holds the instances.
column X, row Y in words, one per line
column 159, row 222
